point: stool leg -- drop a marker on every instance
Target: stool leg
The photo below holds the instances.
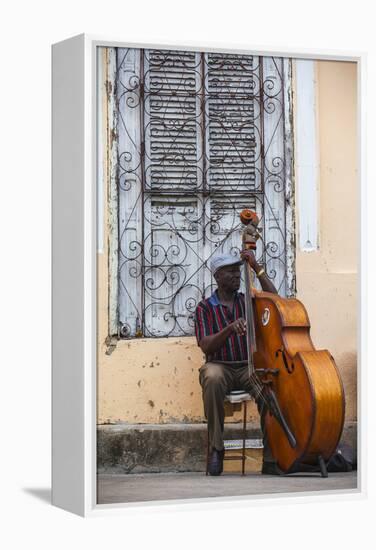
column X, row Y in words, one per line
column 244, row 436
column 207, row 451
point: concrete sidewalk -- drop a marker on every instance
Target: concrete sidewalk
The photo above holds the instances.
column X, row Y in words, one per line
column 173, row 486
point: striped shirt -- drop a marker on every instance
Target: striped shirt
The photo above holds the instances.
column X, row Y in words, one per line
column 211, row 317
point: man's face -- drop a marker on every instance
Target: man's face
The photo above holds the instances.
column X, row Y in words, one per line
column 228, row 277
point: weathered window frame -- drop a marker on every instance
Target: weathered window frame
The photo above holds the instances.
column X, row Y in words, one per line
column 110, row 69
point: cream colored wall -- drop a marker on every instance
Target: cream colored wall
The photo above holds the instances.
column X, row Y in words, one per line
column 156, row 381
column 327, row 279
column 147, row 380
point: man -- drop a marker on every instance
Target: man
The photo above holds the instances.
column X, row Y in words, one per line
column 221, row 334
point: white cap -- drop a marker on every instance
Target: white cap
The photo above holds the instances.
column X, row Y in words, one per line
column 222, row 260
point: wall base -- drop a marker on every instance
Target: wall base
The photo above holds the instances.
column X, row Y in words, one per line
column 148, row 448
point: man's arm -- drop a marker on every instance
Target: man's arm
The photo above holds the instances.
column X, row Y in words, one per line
column 265, row 282
column 213, row 342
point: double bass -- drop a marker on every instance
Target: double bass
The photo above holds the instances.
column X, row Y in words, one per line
column 301, row 386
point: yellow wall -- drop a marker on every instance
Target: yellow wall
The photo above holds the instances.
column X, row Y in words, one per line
column 156, row 381
column 327, row 279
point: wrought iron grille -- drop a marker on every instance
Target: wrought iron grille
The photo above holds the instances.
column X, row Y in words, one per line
column 200, row 137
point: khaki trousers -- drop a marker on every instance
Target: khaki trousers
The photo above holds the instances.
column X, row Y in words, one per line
column 217, row 380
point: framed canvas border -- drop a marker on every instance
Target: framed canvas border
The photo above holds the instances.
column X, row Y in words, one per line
column 74, row 276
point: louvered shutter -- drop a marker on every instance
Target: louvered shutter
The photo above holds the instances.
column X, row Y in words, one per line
column 231, row 116
column 173, row 175
column 231, row 146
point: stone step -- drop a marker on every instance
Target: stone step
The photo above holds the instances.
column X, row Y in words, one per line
column 142, row 448
column 148, row 448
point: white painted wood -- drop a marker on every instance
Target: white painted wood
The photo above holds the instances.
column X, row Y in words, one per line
column 274, row 176
column 110, row 115
column 129, row 173
column 171, row 233
column 306, row 155
column 289, row 180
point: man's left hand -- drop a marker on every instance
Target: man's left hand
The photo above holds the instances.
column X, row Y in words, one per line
column 250, row 256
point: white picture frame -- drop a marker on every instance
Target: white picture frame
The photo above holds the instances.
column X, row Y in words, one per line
column 74, row 236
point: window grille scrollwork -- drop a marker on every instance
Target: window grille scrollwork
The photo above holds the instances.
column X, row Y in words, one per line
column 200, row 137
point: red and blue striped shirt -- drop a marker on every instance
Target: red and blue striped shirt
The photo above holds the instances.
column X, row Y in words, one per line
column 211, row 317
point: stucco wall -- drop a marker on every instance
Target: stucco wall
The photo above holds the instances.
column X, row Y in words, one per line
column 156, row 381
column 327, row 279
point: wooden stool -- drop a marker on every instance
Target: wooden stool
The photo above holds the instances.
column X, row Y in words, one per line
column 234, row 397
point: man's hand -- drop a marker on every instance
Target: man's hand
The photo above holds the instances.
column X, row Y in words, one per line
column 265, row 283
column 250, row 256
column 239, row 326
column 213, row 342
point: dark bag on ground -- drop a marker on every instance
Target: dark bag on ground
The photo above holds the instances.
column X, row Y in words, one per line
column 341, row 460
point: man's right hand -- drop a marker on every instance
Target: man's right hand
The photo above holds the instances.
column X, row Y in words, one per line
column 239, row 326
column 213, row 342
